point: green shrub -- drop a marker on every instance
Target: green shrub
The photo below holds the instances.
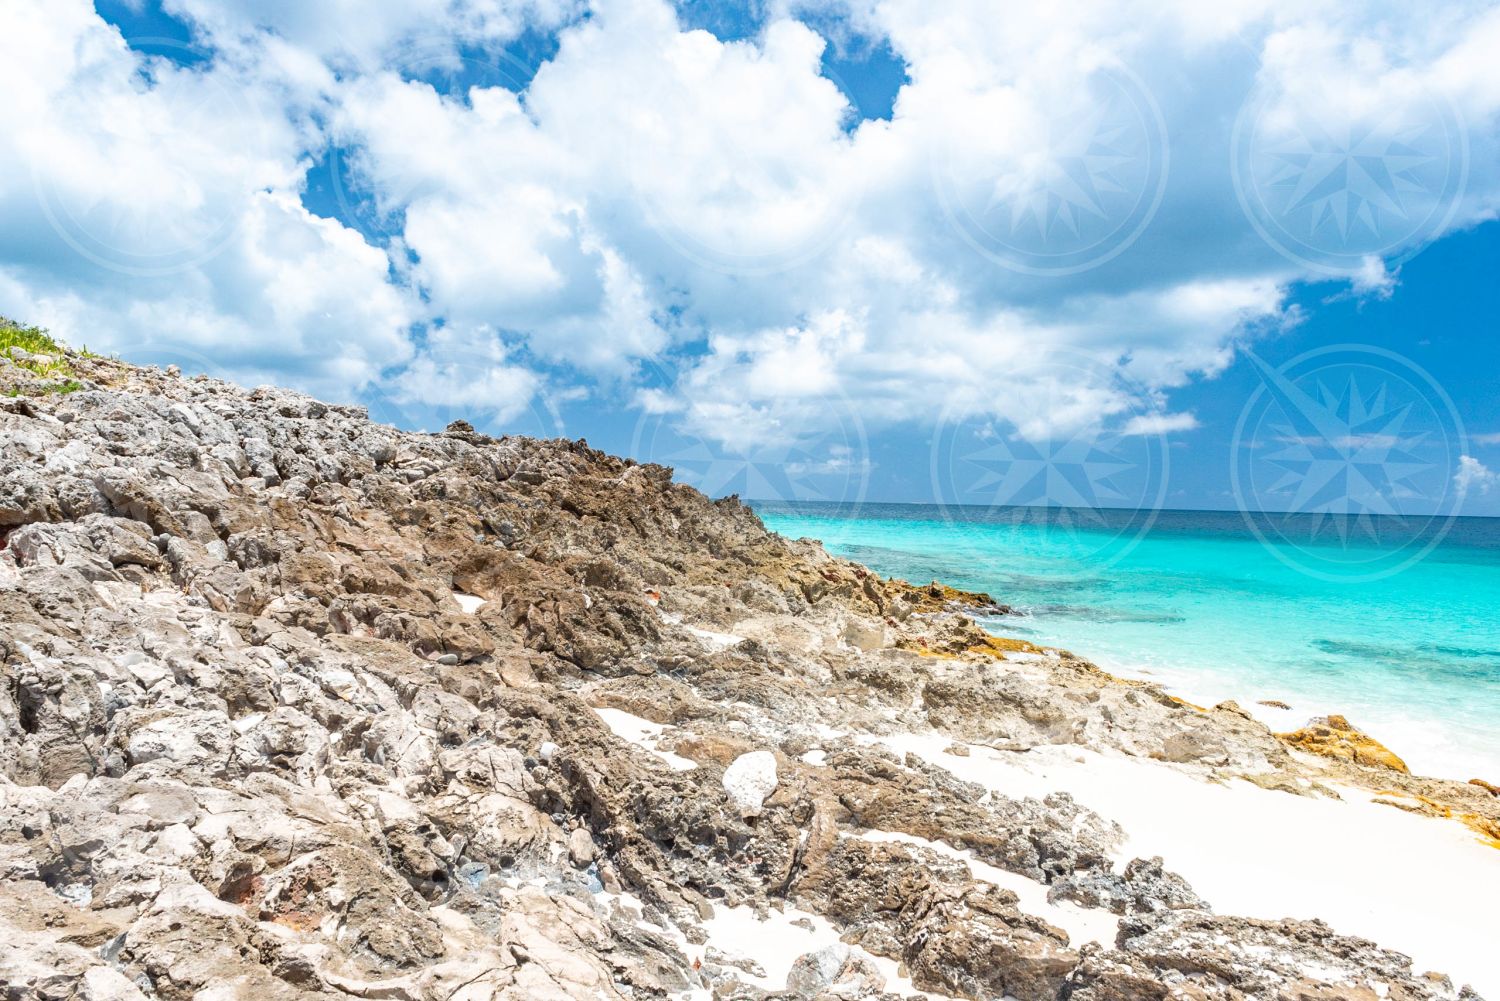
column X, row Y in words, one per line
column 36, row 341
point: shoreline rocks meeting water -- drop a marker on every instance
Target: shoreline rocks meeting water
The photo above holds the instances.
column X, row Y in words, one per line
column 295, row 705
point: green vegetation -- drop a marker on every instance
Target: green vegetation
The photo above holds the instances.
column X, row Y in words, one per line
column 47, row 358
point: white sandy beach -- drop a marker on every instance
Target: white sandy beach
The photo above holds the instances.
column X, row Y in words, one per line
column 1419, row 885
column 1422, row 886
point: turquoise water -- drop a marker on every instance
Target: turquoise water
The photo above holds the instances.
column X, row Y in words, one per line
column 1396, row 625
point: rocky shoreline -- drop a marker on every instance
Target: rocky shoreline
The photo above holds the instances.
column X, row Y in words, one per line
column 295, row 704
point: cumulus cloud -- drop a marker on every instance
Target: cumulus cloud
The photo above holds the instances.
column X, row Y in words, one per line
column 153, row 209
column 360, row 34
column 1069, row 212
column 1474, row 477
column 494, row 389
column 1374, row 279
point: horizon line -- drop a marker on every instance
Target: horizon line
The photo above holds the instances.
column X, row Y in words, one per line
column 1065, row 507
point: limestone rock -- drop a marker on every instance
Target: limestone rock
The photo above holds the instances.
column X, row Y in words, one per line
column 1336, row 737
column 1145, row 887
column 251, row 746
column 834, row 971
column 749, row 780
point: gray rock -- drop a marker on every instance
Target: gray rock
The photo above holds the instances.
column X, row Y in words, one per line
column 247, row 739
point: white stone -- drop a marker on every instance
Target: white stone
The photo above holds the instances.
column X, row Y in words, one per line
column 103, row 983
column 468, row 602
column 148, row 672
column 749, row 780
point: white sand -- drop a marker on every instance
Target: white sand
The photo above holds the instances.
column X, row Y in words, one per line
column 775, row 944
column 643, row 734
column 1422, row 886
column 468, row 602
column 709, row 638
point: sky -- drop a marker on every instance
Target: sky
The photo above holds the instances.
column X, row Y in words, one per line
column 1164, row 254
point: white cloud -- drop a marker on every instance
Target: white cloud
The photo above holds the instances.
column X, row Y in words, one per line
column 370, row 35
column 1160, row 424
column 153, row 210
column 466, row 371
column 1473, row 476
column 1374, row 279
column 658, row 192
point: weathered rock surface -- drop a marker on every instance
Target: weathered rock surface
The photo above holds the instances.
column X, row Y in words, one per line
column 293, row 704
column 1336, row 737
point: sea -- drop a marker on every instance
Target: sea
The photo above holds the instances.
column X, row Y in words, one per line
column 1393, row 622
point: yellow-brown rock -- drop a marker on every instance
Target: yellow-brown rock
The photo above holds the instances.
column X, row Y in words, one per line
column 1488, row 828
column 936, row 597
column 1336, row 737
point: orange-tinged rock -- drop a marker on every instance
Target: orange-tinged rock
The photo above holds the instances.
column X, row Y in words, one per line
column 1488, row 828
column 1336, row 737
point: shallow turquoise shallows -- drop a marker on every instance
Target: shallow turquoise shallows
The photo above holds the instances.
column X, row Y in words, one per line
column 1394, row 624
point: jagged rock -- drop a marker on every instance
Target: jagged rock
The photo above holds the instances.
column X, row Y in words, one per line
column 1488, row 787
column 1145, row 887
column 251, row 745
column 1336, row 737
column 834, row 971
column 734, row 959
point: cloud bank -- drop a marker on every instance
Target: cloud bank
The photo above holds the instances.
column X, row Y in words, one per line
column 1086, row 204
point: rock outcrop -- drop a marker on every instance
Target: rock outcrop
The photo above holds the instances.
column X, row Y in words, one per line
column 293, row 704
column 1335, row 737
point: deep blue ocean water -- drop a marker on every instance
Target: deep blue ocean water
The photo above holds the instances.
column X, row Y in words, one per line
column 1394, row 623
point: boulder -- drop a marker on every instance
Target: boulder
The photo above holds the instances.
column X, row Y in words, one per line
column 749, row 779
column 1336, row 737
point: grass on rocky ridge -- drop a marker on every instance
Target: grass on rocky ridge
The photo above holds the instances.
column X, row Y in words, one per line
column 51, row 362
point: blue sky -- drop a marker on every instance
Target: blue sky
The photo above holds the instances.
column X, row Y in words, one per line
column 1096, row 254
